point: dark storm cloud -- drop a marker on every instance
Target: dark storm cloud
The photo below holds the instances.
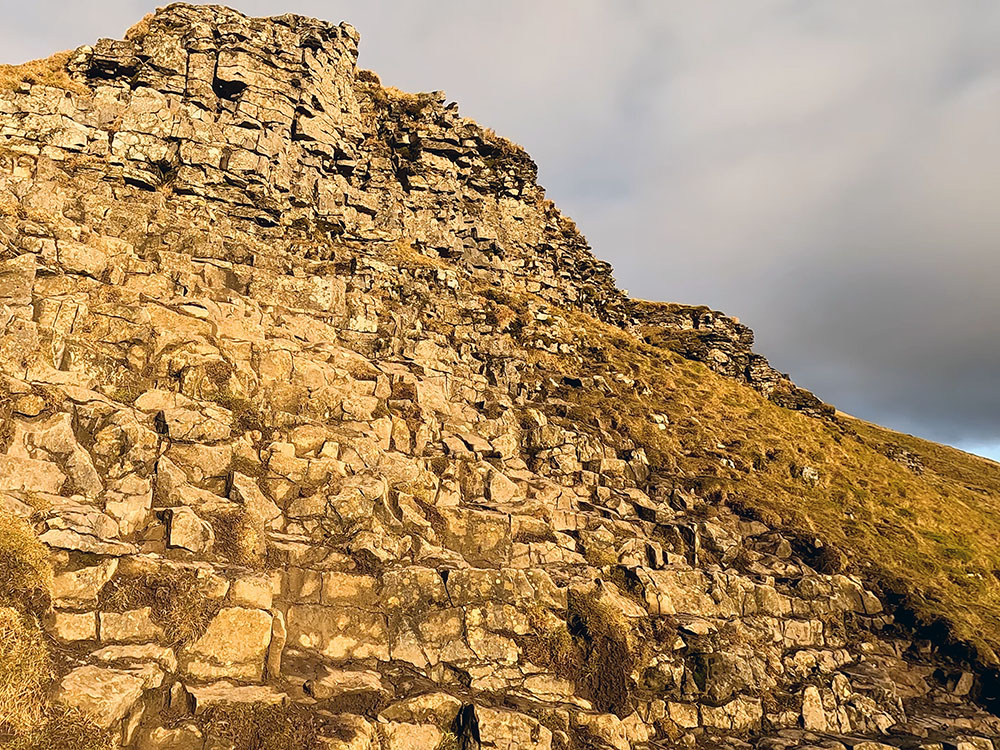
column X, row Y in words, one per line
column 829, row 172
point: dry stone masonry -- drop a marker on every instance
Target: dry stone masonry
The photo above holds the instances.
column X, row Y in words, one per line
column 266, row 402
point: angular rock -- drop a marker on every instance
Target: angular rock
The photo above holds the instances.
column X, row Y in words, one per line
column 234, row 645
column 103, row 695
column 22, row 474
column 247, row 291
column 188, row 531
column 338, row 633
column 439, row 709
column 204, row 697
column 360, row 686
column 409, row 736
column 80, row 587
column 71, row 626
column 186, row 737
column 134, row 625
column 138, row 654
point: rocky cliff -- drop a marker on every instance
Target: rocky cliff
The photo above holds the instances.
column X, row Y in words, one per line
column 323, row 428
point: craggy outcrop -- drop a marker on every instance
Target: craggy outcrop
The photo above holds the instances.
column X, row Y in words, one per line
column 725, row 345
column 278, row 353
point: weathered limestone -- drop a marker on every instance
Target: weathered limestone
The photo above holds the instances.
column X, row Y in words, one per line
column 104, row 695
column 188, row 531
column 278, row 348
column 226, row 693
column 234, row 645
column 338, row 633
column 133, row 625
column 72, row 626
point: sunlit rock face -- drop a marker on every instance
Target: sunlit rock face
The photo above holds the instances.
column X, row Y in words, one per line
column 292, row 372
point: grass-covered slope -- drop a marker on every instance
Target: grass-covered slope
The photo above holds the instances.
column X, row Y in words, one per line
column 923, row 524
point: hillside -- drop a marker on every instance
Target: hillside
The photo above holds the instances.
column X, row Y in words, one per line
column 323, row 428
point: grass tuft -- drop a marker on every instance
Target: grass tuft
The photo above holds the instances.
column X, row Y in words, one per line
column 405, row 254
column 250, row 727
column 49, row 71
column 24, row 671
column 551, row 646
column 25, row 573
column 140, row 28
column 239, row 537
column 608, row 655
column 178, row 600
column 63, row 729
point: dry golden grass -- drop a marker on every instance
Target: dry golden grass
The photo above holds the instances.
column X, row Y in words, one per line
column 177, row 598
column 24, row 670
column 50, row 71
column 928, row 538
column 62, row 729
column 391, row 99
column 140, row 28
column 398, row 94
column 550, row 644
column 25, row 581
column 502, row 144
column 368, row 76
column 975, row 472
column 25, row 574
column 263, row 728
column 239, row 537
column 609, row 656
column 403, row 253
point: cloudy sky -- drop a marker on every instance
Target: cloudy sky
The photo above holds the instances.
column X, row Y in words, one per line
column 829, row 172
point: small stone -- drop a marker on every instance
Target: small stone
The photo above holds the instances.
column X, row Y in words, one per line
column 134, row 625
column 72, row 626
column 279, row 636
column 146, row 652
column 77, row 258
column 244, row 490
column 186, row 737
column 429, row 708
column 813, row 715
column 204, row 697
column 29, row 406
column 607, row 729
column 964, row 684
column 104, row 695
column 188, row 531
column 684, row 715
column 339, row 682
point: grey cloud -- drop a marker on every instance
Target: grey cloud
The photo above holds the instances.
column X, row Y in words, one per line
column 829, row 172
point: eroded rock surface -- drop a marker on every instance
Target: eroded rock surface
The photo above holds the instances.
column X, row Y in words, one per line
column 266, row 355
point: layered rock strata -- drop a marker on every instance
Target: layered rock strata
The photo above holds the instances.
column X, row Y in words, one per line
column 269, row 399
